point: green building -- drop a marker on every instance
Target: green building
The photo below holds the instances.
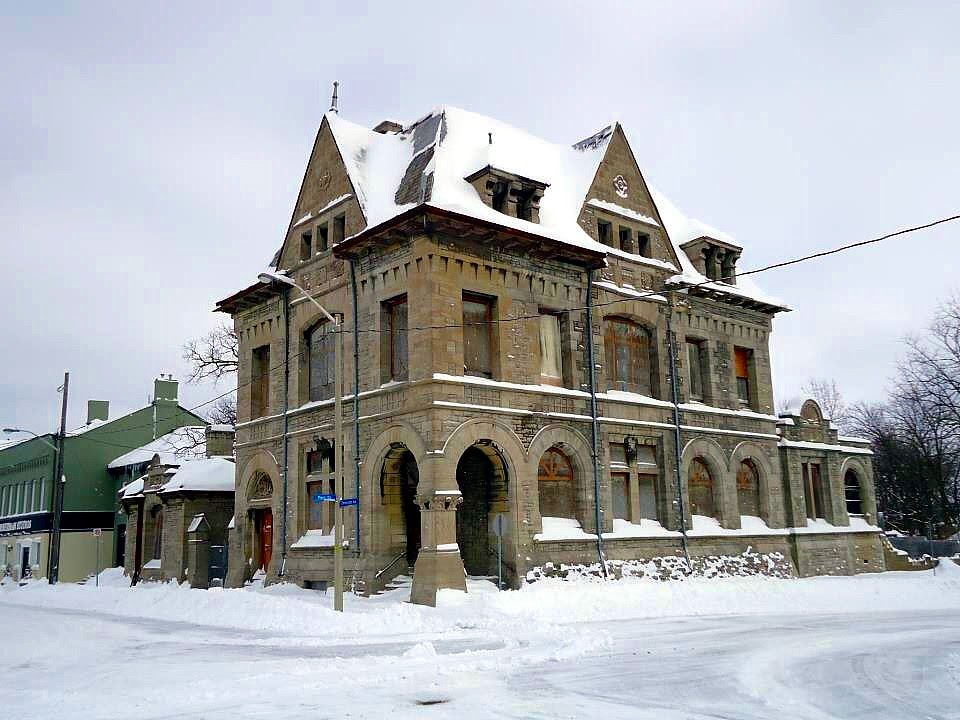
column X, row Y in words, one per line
column 92, row 525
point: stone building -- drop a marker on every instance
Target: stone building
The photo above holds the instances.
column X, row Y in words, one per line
column 477, row 268
column 179, row 511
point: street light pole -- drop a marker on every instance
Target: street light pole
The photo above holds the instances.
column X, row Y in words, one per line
column 53, row 571
column 337, row 321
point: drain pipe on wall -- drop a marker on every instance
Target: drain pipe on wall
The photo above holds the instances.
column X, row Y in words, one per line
column 356, row 396
column 594, row 425
column 672, row 354
column 286, row 425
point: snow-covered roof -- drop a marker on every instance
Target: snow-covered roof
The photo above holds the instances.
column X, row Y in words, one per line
column 133, row 488
column 180, row 444
column 214, row 474
column 428, row 161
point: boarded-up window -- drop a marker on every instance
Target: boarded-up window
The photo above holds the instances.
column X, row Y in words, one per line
column 695, row 368
column 748, row 489
column 316, row 515
column 742, row 357
column 477, row 335
column 620, row 489
column 700, row 488
column 260, row 382
column 851, row 492
column 618, row 453
column 551, row 358
column 321, row 361
column 395, row 317
column 627, row 346
column 555, row 483
column 647, row 490
column 813, row 490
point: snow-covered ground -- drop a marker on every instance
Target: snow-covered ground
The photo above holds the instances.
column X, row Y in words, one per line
column 878, row 646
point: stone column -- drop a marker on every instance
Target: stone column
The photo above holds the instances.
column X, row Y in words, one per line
column 439, row 564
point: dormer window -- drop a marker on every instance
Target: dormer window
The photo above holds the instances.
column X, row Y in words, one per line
column 716, row 259
column 510, row 194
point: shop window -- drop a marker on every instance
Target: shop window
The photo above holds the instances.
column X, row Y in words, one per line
column 321, row 361
column 628, row 350
column 260, row 382
column 478, row 335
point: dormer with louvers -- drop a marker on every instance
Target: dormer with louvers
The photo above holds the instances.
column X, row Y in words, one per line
column 513, row 195
column 713, row 258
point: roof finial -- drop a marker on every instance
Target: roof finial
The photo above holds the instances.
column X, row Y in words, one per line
column 489, row 138
column 333, row 101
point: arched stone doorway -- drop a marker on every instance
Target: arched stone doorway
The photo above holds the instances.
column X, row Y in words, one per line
column 398, row 493
column 748, row 488
column 700, row 489
column 261, row 521
column 482, row 479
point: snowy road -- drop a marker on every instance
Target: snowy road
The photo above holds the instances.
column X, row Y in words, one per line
column 87, row 664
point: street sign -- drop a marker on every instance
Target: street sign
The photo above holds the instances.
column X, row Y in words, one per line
column 324, row 497
column 347, row 502
column 97, row 532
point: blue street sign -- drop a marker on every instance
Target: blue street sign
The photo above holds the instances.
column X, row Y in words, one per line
column 347, row 502
column 321, row 497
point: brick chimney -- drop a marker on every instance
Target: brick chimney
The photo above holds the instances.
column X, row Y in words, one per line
column 98, row 410
column 219, row 440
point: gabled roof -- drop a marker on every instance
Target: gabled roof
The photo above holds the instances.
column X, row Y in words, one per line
column 174, row 447
column 427, row 163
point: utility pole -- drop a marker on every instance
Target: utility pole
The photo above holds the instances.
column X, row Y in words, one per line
column 672, row 353
column 338, row 471
column 53, row 571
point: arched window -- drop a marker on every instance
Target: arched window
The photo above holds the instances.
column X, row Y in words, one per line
column 628, row 355
column 748, row 488
column 851, row 491
column 700, row 489
column 321, row 361
column 555, row 485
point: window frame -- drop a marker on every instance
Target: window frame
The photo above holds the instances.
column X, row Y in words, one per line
column 326, row 390
column 392, row 369
column 605, row 232
column 615, row 345
column 695, row 370
column 306, row 245
column 562, row 359
column 743, row 383
column 490, row 303
column 260, row 381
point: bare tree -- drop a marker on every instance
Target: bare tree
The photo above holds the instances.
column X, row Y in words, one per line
column 828, row 396
column 213, row 356
column 224, row 411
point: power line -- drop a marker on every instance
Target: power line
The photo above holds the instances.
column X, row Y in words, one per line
column 638, row 296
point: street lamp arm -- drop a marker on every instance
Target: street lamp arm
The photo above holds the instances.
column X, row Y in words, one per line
column 10, row 431
column 269, row 277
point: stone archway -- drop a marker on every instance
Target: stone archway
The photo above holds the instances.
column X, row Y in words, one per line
column 259, row 501
column 482, row 480
column 399, row 480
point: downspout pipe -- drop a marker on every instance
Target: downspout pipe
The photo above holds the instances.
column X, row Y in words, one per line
column 594, row 425
column 672, row 354
column 356, row 395
column 286, row 427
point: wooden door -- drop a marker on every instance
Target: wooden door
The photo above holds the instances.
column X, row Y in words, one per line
column 266, row 537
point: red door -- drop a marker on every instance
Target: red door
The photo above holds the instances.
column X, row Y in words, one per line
column 265, row 533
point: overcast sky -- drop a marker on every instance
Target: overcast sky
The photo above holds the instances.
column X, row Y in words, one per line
column 151, row 156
